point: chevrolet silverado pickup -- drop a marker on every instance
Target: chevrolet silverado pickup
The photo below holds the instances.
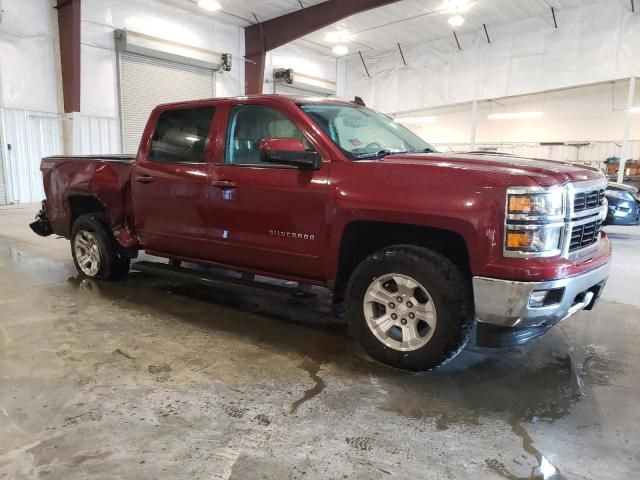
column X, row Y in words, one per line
column 425, row 250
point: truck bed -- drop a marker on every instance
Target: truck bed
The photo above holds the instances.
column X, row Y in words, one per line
column 69, row 180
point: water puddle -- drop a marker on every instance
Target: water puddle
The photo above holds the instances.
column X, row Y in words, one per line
column 312, row 369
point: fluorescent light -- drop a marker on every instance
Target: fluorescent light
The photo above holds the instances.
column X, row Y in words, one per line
column 209, row 5
column 456, row 21
column 455, row 6
column 340, row 50
column 514, row 115
column 415, row 120
column 634, row 110
column 338, row 36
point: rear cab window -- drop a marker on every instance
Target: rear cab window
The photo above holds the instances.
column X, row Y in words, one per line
column 181, row 135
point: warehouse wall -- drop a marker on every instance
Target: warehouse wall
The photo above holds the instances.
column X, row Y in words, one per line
column 30, row 99
column 594, row 113
column 99, row 71
column 583, row 124
column 593, row 43
column 29, row 70
column 101, row 17
column 31, row 118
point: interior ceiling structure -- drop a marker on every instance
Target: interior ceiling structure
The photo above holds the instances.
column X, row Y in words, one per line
column 406, row 22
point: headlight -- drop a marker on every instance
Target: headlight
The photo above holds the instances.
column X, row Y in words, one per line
column 619, row 195
column 535, row 221
column 546, row 204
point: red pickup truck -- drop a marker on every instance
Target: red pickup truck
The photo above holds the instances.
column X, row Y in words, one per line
column 425, row 249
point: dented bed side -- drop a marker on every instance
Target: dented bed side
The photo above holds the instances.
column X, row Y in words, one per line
column 71, row 182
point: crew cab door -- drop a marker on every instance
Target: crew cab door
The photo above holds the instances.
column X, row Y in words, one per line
column 268, row 217
column 170, row 182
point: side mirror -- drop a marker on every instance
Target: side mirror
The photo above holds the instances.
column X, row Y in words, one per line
column 288, row 151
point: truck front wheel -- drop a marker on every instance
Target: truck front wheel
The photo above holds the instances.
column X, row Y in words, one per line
column 96, row 253
column 410, row 307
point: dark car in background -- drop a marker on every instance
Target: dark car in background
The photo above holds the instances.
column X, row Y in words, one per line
column 624, row 204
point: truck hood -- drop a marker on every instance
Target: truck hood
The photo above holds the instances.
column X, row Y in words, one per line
column 544, row 172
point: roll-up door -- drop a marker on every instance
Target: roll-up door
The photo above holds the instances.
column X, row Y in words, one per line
column 282, row 88
column 286, row 81
column 146, row 82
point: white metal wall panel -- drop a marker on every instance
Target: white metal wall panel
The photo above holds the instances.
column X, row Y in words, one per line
column 3, row 189
column 100, row 135
column 146, row 82
column 32, row 135
column 597, row 43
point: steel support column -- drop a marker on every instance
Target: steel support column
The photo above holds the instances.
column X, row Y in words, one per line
column 474, row 126
column 265, row 36
column 69, row 34
column 625, row 151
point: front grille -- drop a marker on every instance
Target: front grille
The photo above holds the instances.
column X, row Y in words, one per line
column 587, row 200
column 584, row 235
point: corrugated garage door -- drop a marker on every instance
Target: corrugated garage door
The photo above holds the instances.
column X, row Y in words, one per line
column 3, row 187
column 146, row 82
column 286, row 89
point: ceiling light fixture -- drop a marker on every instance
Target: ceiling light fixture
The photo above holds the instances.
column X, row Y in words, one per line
column 209, row 5
column 338, row 36
column 456, row 21
column 515, row 115
column 340, row 50
column 415, row 120
column 456, row 6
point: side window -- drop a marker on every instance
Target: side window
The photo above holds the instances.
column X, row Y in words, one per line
column 248, row 125
column 181, row 135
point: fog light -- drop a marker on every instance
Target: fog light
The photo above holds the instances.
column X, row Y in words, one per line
column 544, row 298
column 536, row 299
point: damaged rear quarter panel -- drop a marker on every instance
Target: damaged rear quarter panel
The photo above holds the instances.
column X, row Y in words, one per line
column 108, row 181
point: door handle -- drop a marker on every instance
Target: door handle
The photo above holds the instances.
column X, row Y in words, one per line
column 144, row 179
column 223, row 184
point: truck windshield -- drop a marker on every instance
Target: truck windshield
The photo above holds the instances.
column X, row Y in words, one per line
column 362, row 133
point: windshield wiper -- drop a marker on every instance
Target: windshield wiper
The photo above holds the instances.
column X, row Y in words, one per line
column 378, row 154
column 425, row 150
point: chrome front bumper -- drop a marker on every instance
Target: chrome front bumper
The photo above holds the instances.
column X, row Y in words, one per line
column 505, row 303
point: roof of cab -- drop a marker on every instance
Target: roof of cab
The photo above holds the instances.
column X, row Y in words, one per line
column 290, row 98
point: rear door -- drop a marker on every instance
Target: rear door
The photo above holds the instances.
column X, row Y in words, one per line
column 170, row 182
column 268, row 217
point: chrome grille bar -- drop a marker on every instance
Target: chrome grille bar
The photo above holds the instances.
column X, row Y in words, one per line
column 584, row 216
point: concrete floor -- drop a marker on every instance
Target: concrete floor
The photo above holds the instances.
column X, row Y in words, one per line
column 151, row 379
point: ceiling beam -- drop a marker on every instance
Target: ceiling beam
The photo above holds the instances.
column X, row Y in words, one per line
column 69, row 33
column 270, row 34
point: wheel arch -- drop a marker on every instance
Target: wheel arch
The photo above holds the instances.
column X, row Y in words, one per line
column 79, row 204
column 362, row 238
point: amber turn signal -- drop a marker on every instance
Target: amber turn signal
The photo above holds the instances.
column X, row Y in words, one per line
column 518, row 239
column 520, row 203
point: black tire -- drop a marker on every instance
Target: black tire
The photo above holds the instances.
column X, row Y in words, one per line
column 114, row 260
column 449, row 290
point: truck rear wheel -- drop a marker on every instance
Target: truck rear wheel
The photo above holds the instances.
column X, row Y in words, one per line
column 410, row 307
column 95, row 251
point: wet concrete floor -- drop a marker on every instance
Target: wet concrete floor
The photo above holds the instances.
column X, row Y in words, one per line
column 149, row 378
